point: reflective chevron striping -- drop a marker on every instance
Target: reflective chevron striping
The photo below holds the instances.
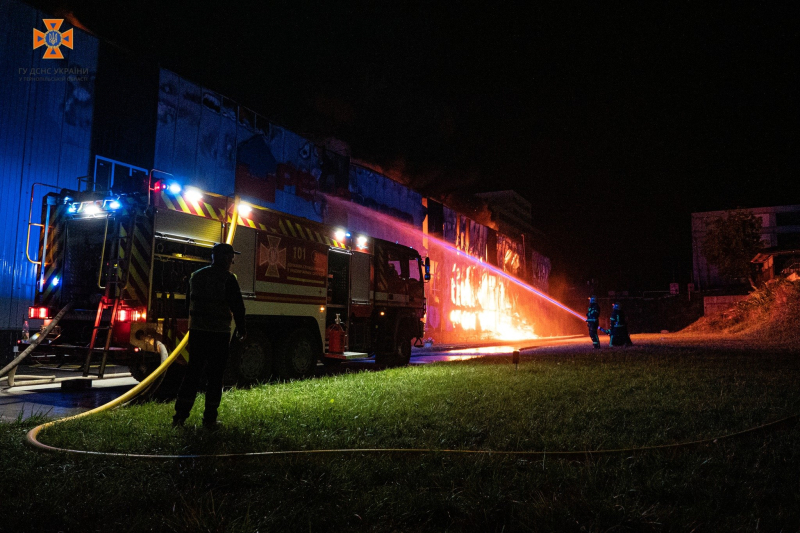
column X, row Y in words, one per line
column 212, row 209
column 136, row 290
column 54, row 261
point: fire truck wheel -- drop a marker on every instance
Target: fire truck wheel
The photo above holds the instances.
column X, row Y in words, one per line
column 401, row 353
column 252, row 361
column 298, row 357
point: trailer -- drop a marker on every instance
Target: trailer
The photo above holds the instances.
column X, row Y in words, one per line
column 312, row 292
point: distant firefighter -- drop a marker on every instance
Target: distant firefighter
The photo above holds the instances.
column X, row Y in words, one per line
column 592, row 319
column 619, row 328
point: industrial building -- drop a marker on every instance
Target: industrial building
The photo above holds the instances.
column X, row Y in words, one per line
column 780, row 235
column 100, row 119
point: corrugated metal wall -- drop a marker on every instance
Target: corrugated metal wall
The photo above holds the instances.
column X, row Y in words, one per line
column 195, row 136
column 45, row 136
column 206, row 140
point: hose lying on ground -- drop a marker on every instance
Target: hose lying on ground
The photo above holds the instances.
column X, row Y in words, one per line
column 573, row 455
column 144, row 384
column 35, row 342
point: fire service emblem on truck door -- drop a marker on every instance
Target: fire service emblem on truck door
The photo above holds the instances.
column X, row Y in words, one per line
column 272, row 256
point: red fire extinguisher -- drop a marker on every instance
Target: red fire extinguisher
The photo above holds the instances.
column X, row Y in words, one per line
column 336, row 337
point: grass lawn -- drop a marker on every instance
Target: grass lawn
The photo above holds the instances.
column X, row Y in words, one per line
column 566, row 398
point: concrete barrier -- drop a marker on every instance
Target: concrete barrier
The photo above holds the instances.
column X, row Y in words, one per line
column 714, row 305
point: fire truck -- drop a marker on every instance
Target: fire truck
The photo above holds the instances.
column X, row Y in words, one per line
column 312, row 292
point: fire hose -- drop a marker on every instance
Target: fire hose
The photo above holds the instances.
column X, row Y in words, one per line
column 35, row 342
column 570, row 455
column 145, row 383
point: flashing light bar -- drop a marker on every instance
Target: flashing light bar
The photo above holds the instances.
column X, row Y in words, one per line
column 173, row 187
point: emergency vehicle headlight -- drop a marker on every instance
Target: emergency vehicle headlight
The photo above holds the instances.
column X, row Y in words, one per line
column 193, row 195
column 340, row 234
column 174, row 187
column 361, row 241
column 244, row 209
column 91, row 209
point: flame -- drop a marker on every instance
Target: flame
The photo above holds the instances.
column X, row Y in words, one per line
column 483, row 303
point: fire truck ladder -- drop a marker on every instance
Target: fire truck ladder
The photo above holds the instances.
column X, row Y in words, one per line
column 116, row 280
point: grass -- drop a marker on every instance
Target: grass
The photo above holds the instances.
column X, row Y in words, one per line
column 561, row 399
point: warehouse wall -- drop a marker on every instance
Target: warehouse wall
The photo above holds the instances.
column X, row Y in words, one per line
column 45, row 137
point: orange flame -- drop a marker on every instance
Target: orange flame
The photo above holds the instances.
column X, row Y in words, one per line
column 483, row 303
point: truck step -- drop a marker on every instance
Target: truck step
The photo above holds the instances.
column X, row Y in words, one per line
column 347, row 355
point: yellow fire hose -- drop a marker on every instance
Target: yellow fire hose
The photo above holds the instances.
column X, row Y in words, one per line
column 574, row 455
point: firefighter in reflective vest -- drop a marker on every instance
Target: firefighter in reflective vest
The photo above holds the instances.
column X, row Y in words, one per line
column 592, row 319
column 213, row 297
column 619, row 328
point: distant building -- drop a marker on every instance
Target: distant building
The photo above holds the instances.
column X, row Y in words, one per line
column 780, row 232
column 775, row 261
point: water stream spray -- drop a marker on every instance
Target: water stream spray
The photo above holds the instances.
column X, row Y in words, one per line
column 381, row 225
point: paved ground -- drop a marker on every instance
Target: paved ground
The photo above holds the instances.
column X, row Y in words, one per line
column 53, row 400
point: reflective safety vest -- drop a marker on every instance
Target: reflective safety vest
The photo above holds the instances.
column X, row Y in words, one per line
column 208, row 303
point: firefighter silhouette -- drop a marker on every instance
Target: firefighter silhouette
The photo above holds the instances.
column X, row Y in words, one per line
column 592, row 319
column 619, row 328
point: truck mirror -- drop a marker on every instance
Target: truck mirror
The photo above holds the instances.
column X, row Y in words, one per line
column 427, row 269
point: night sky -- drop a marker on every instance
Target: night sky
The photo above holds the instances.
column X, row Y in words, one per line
column 616, row 121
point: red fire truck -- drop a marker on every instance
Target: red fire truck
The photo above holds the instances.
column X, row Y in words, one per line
column 312, row 292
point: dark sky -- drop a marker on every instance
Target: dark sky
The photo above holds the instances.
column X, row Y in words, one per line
column 616, row 121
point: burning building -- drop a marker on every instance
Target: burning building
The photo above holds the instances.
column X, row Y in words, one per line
column 121, row 116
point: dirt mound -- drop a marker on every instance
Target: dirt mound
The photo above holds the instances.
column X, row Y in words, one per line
column 771, row 313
